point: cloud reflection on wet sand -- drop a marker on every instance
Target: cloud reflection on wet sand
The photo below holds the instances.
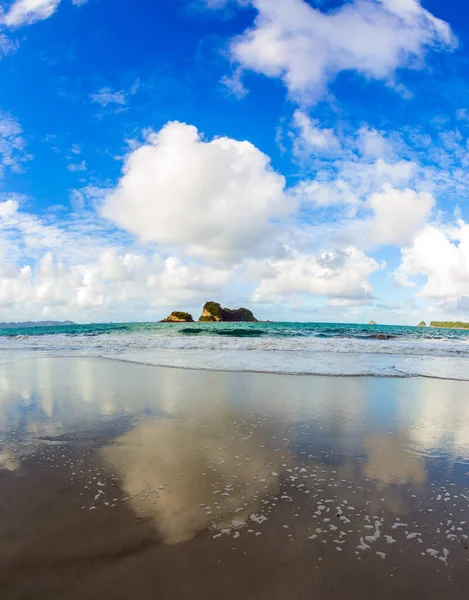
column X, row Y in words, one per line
column 193, row 477
column 303, row 469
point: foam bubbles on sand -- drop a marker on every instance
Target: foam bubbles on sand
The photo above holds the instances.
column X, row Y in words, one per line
column 250, row 479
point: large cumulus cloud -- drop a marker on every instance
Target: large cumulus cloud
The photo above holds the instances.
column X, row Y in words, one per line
column 216, row 199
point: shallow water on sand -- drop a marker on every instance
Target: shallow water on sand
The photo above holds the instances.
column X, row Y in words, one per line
column 127, row 481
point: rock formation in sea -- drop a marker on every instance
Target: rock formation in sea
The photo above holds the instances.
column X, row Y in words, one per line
column 212, row 311
column 422, row 324
column 372, row 323
column 178, row 316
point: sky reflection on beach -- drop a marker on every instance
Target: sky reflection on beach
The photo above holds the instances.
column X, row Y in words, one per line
column 196, row 451
column 114, row 455
column 55, row 397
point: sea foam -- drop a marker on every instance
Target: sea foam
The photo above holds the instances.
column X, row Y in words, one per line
column 290, row 348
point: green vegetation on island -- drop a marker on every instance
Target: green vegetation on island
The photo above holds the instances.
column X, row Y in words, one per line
column 450, row 324
column 177, row 316
column 422, row 324
column 213, row 312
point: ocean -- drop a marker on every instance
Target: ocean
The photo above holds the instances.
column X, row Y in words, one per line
column 293, row 348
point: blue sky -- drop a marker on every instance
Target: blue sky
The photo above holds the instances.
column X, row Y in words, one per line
column 305, row 159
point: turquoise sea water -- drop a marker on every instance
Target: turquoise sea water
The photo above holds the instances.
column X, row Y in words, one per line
column 319, row 348
column 275, row 329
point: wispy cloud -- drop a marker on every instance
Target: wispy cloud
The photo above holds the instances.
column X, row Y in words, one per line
column 7, row 46
column 76, row 149
column 107, row 96
column 119, row 99
column 12, row 144
column 74, row 167
column 28, row 12
column 234, row 85
column 21, row 13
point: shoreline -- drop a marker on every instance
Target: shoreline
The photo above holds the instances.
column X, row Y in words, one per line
column 297, row 374
column 283, row 374
column 32, row 355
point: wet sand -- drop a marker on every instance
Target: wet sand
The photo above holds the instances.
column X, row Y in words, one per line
column 126, row 481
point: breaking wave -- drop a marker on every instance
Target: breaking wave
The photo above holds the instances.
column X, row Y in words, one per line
column 295, row 348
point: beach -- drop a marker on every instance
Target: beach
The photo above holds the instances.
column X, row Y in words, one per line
column 125, row 480
column 234, row 300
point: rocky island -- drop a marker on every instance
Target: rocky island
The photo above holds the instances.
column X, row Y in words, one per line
column 213, row 312
column 177, row 316
column 372, row 323
column 422, row 324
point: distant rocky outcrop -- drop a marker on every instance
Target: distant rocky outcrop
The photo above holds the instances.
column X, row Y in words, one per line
column 26, row 324
column 372, row 323
column 212, row 312
column 177, row 316
column 422, row 324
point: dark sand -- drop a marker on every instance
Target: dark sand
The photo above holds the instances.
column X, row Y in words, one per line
column 125, row 481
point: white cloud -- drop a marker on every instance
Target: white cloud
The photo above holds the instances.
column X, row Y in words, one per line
column 12, row 144
column 401, row 280
column 348, row 302
column 373, row 197
column 398, row 173
column 308, row 48
column 107, row 96
column 115, row 279
column 435, row 162
column 441, row 256
column 373, row 143
column 327, row 193
column 353, row 182
column 22, row 232
column 8, row 208
column 75, row 269
column 217, row 4
column 74, row 167
column 311, row 138
column 462, row 114
column 234, row 85
column 27, row 12
column 87, row 197
column 208, row 198
column 399, row 215
column 7, row 46
column 215, row 217
column 340, row 274
column 111, row 282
